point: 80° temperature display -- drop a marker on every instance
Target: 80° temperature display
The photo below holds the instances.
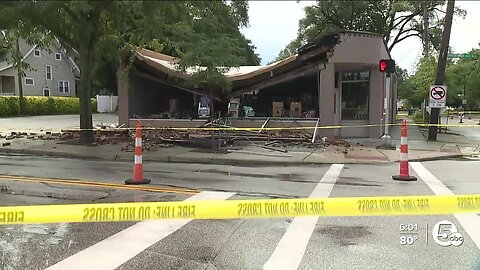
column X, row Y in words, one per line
column 408, row 233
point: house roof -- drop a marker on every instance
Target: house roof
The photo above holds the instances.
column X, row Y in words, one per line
column 70, row 61
column 24, row 57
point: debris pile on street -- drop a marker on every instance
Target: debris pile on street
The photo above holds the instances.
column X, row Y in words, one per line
column 156, row 138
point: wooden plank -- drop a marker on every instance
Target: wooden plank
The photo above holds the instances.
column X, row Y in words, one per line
column 315, row 132
column 264, row 125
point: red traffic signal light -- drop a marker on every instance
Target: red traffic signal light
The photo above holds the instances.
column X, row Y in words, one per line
column 383, row 65
column 387, row 65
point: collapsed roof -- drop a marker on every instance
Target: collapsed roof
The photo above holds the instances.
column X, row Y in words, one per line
column 248, row 78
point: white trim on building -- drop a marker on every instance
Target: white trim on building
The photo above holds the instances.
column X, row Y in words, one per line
column 63, row 86
column 29, row 79
column 48, row 72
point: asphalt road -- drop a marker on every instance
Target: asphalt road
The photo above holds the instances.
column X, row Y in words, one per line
column 280, row 243
column 472, row 132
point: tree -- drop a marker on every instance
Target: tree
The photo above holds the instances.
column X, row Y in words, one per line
column 460, row 74
column 201, row 33
column 169, row 39
column 11, row 47
column 213, row 44
column 420, row 82
column 462, row 79
column 405, row 86
column 15, row 32
column 289, row 50
column 78, row 26
column 82, row 25
column 395, row 20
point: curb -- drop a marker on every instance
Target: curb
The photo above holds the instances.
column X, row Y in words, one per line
column 47, row 153
column 431, row 158
column 218, row 161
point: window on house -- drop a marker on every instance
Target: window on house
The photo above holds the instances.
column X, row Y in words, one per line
column 48, row 72
column 37, row 53
column 64, row 86
column 29, row 81
column 58, row 56
column 46, row 92
column 355, row 95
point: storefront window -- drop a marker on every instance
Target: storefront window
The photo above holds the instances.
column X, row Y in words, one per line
column 355, row 95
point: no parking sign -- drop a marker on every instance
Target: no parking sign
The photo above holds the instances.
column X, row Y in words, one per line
column 438, row 96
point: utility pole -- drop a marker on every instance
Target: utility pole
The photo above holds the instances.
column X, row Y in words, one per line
column 426, row 24
column 442, row 63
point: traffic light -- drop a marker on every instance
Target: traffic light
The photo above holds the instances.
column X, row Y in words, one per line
column 387, row 66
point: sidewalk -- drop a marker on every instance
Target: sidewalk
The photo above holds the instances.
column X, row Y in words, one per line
column 247, row 156
column 446, row 142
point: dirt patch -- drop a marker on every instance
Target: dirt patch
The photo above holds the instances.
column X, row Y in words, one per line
column 344, row 235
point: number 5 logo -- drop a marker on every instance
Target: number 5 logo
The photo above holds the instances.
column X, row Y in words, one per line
column 443, row 238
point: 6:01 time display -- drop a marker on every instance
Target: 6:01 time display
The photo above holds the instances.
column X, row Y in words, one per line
column 410, row 227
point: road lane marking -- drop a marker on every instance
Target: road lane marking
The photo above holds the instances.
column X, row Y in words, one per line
column 96, row 184
column 121, row 247
column 290, row 250
column 470, row 222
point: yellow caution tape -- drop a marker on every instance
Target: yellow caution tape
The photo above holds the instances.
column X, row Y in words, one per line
column 145, row 128
column 233, row 209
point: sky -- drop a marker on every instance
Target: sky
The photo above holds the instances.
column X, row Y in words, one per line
column 273, row 24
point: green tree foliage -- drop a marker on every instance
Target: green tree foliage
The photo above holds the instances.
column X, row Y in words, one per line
column 13, row 33
column 213, row 43
column 405, row 86
column 174, row 38
column 462, row 77
column 395, row 20
column 419, row 83
column 99, row 33
column 289, row 50
column 78, row 25
column 460, row 74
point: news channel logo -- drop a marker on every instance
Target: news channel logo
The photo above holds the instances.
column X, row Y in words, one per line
column 446, row 234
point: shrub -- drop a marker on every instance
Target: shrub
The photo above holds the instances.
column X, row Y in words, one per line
column 9, row 106
column 418, row 117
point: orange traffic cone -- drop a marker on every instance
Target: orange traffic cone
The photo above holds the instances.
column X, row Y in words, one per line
column 404, row 169
column 137, row 178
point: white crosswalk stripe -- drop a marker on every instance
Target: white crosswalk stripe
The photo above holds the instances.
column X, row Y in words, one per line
column 290, row 250
column 121, row 247
column 470, row 222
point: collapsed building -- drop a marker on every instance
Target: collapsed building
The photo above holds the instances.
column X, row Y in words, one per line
column 334, row 79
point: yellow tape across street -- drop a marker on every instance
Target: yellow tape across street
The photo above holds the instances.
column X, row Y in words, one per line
column 275, row 128
column 233, row 209
column 146, row 128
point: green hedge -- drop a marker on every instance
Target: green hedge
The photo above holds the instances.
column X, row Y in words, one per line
column 10, row 106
